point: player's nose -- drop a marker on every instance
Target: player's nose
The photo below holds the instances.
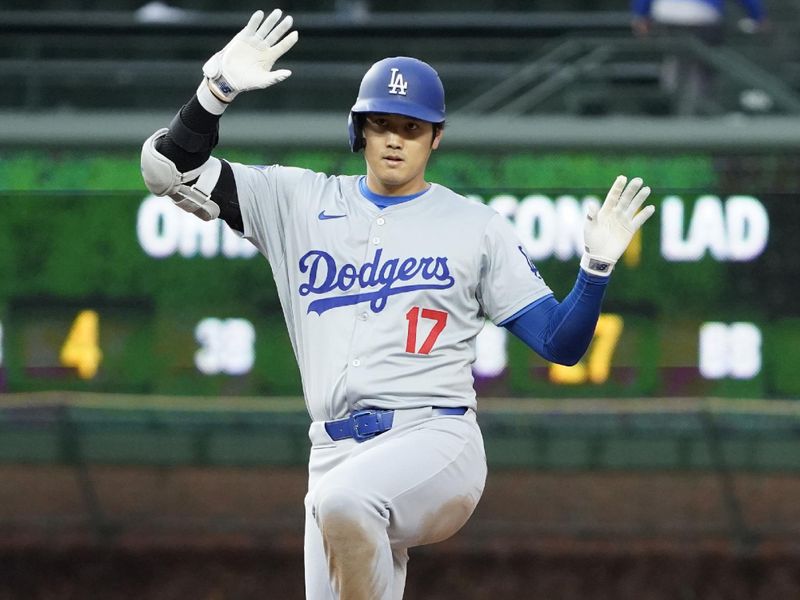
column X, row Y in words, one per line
column 394, row 139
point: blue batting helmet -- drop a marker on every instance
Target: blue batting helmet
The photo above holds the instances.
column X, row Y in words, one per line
column 399, row 85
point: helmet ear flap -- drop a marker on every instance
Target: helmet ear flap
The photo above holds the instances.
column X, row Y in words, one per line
column 355, row 126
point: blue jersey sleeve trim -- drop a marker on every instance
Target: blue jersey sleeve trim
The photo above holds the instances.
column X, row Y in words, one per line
column 522, row 311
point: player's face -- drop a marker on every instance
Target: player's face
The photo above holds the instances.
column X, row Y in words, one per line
column 397, row 151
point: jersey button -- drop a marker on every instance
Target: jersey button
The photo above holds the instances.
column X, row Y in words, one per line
column 376, row 240
column 380, row 221
column 356, row 362
column 363, row 316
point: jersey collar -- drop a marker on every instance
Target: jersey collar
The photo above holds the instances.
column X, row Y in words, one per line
column 382, row 201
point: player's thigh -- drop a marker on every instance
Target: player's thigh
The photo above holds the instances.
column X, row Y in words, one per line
column 428, row 476
column 444, row 480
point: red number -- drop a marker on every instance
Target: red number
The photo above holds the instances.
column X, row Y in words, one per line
column 412, row 316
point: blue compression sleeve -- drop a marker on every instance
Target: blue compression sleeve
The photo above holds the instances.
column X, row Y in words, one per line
column 754, row 9
column 561, row 331
column 641, row 8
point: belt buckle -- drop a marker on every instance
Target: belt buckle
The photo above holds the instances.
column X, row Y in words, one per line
column 361, row 421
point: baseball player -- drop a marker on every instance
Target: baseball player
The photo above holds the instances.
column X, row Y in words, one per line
column 385, row 281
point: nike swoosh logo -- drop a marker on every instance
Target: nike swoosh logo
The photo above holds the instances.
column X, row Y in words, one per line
column 323, row 217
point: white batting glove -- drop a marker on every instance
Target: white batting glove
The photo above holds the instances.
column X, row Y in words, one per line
column 246, row 62
column 608, row 232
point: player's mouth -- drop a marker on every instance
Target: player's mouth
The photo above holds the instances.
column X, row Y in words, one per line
column 393, row 159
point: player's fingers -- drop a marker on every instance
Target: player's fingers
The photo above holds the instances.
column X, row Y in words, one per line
column 637, row 201
column 280, row 30
column 280, row 75
column 591, row 212
column 616, row 189
column 252, row 24
column 643, row 215
column 630, row 191
column 268, row 24
column 285, row 44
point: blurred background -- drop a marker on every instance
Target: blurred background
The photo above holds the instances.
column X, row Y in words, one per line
column 152, row 428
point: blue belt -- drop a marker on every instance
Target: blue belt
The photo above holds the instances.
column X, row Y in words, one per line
column 365, row 424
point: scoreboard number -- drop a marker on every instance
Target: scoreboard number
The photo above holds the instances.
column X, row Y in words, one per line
column 226, row 346
column 81, row 348
column 491, row 352
column 596, row 366
column 729, row 350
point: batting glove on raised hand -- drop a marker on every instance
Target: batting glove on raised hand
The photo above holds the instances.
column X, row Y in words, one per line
column 608, row 231
column 246, row 62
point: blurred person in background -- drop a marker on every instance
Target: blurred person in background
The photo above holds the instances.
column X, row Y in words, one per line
column 685, row 77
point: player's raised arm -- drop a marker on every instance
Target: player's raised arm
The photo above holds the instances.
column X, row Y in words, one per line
column 561, row 331
column 177, row 161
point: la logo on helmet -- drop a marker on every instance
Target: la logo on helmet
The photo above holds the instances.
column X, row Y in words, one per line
column 397, row 84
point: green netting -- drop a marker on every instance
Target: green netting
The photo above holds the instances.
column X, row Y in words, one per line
column 618, row 440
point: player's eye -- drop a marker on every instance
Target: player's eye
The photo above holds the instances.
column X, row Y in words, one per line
column 412, row 126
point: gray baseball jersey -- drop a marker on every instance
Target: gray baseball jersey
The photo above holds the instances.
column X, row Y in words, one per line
column 383, row 305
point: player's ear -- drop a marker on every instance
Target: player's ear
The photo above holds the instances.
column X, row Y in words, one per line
column 438, row 131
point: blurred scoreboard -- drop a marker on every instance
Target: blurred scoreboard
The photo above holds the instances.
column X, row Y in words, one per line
column 122, row 292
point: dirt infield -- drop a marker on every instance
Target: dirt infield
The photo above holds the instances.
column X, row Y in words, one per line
column 520, row 510
column 251, row 575
column 224, row 534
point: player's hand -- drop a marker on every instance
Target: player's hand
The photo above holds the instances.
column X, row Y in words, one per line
column 246, row 62
column 608, row 231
